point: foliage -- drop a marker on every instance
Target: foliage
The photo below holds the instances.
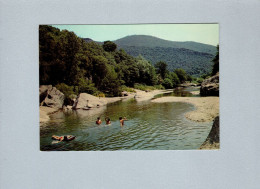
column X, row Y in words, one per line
column 65, row 89
column 193, row 62
column 159, row 87
column 77, row 66
column 144, row 87
column 167, row 83
column 161, row 68
column 68, row 92
column 109, row 46
column 215, row 68
column 127, row 89
column 86, row 86
column 181, row 74
column 152, row 42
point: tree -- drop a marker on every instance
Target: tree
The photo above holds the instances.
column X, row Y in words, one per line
column 167, row 83
column 181, row 74
column 161, row 68
column 147, row 73
column 109, row 46
column 99, row 69
column 110, row 84
column 174, row 78
column 216, row 62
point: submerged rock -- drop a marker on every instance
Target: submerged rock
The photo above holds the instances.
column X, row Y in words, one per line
column 210, row 86
column 51, row 97
column 212, row 141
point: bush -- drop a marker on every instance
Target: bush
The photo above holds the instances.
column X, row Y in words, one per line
column 86, row 86
column 159, row 87
column 68, row 93
column 99, row 94
column 127, row 89
column 65, row 89
column 167, row 83
column 144, row 87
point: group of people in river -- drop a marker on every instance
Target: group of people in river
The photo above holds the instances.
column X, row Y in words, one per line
column 108, row 121
column 98, row 122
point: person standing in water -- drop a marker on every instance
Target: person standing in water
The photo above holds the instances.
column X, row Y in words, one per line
column 98, row 122
column 122, row 120
column 108, row 122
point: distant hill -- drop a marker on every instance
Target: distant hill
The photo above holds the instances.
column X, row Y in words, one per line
column 193, row 62
column 195, row 58
column 150, row 41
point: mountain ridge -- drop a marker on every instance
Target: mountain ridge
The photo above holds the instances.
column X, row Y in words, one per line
column 151, row 41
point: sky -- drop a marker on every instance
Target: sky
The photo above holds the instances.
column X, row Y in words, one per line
column 202, row 33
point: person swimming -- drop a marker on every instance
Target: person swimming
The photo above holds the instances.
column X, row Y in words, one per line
column 98, row 122
column 108, row 122
column 122, row 120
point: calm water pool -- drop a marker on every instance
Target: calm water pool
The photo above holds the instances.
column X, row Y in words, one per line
column 150, row 126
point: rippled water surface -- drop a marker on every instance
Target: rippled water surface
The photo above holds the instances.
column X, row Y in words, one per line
column 150, row 126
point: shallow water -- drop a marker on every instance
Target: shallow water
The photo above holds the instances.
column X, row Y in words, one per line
column 150, row 126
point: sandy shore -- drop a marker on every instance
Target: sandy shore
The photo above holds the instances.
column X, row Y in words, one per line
column 45, row 112
column 142, row 95
column 207, row 108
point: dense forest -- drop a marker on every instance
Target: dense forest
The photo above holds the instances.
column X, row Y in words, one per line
column 193, row 62
column 195, row 58
column 75, row 66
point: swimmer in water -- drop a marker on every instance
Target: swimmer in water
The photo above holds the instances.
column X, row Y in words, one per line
column 122, row 120
column 108, row 122
column 98, row 122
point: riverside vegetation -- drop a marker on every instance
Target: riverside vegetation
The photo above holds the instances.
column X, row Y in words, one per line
column 75, row 66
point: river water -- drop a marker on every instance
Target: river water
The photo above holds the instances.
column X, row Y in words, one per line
column 150, row 126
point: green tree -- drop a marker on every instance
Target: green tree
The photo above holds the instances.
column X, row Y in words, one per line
column 181, row 74
column 109, row 46
column 99, row 69
column 215, row 68
column 110, row 84
column 167, row 83
column 175, row 79
column 147, row 74
column 161, row 68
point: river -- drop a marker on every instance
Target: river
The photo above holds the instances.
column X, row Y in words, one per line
column 150, row 126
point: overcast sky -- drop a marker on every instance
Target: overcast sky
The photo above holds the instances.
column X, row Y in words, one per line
column 203, row 33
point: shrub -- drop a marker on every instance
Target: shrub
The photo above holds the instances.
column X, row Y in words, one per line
column 65, row 89
column 86, row 86
column 68, row 93
column 127, row 89
column 167, row 83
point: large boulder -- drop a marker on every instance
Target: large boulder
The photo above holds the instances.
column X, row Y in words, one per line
column 51, row 97
column 210, row 86
column 87, row 101
column 212, row 141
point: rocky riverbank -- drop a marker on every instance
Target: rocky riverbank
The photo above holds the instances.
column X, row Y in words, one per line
column 84, row 101
column 207, row 108
column 212, row 141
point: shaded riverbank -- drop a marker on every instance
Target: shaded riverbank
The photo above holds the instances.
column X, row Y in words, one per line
column 207, row 108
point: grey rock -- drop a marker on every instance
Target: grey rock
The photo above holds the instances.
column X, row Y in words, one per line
column 51, row 97
column 86, row 101
column 213, row 137
column 210, row 86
